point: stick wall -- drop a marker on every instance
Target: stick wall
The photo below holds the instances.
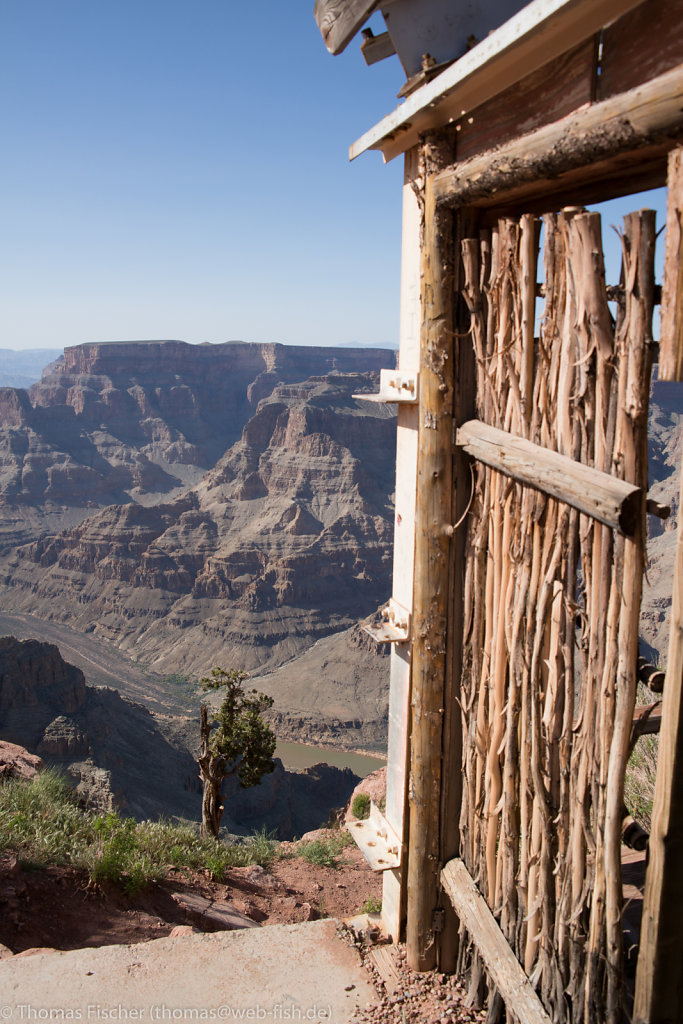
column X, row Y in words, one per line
column 552, row 601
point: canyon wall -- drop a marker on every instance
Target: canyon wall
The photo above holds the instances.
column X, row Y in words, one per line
column 203, row 505
column 117, row 757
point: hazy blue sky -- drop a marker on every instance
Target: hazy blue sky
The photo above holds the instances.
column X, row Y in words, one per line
column 179, row 169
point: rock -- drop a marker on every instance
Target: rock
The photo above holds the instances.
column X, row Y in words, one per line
column 63, row 738
column 309, row 913
column 46, row 705
column 36, row 951
column 373, row 785
column 16, row 762
column 183, row 929
column 11, row 865
column 288, row 803
column 214, row 915
column 258, row 876
column 5, row 952
column 254, row 912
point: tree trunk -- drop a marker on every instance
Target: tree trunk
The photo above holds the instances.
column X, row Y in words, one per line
column 212, row 805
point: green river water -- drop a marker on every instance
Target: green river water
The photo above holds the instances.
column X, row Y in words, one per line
column 300, row 755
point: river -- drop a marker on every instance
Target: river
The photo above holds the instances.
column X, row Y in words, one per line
column 300, row 755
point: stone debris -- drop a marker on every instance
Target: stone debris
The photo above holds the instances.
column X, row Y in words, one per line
column 405, row 995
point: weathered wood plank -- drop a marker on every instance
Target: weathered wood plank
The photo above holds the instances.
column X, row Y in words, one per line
column 601, row 496
column 647, row 719
column 591, row 141
column 640, row 45
column 339, row 20
column 565, row 84
column 383, row 959
column 671, row 331
column 659, row 976
column 432, row 576
column 521, row 1002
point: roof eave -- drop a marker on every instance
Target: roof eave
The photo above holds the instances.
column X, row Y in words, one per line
column 539, row 33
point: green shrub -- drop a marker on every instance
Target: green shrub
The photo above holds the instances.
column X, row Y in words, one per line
column 639, row 783
column 360, row 806
column 372, row 905
column 42, row 821
column 324, row 852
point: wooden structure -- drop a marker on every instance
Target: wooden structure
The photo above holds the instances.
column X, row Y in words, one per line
column 521, row 502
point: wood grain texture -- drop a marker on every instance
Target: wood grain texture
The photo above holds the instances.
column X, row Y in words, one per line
column 597, row 494
column 565, row 85
column 431, row 582
column 641, row 45
column 339, row 20
column 588, row 142
column 550, row 632
column 521, row 1002
column 671, row 333
column 659, row 976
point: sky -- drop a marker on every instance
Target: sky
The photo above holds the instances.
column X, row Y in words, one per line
column 179, row 169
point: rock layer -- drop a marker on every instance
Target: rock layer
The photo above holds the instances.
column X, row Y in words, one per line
column 286, row 540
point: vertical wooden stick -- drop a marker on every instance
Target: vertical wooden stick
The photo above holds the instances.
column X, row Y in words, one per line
column 671, row 336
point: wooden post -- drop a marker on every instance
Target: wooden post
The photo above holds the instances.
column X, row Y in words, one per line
column 671, row 334
column 431, row 585
column 659, row 977
column 464, row 386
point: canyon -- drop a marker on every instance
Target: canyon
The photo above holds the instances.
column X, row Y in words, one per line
column 213, row 504
column 119, row 756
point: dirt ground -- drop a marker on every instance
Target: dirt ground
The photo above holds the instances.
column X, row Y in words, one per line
column 57, row 908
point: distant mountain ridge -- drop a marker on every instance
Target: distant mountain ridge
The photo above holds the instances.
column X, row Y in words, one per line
column 19, row 368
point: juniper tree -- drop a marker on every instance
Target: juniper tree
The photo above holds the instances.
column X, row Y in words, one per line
column 236, row 741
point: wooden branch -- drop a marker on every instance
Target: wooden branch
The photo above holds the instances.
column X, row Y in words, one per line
column 597, row 494
column 656, row 508
column 622, row 124
column 671, row 332
column 659, row 976
column 650, row 675
column 521, row 1002
column 339, row 20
